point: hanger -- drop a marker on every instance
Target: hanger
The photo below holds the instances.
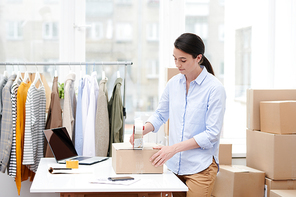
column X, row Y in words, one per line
column 55, row 71
column 19, row 76
column 71, row 71
column 37, row 78
column 103, row 75
column 26, row 78
column 5, row 74
column 118, row 73
column 13, row 71
column 94, row 72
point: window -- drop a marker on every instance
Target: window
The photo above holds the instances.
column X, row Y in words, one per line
column 95, row 31
column 152, row 69
column 98, row 8
column 123, row 32
column 14, row 30
column 50, row 30
column 221, row 32
column 124, row 2
column 243, row 61
column 152, row 32
column 50, row 1
column 14, row 1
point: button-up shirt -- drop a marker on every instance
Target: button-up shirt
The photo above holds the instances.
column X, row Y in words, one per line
column 198, row 114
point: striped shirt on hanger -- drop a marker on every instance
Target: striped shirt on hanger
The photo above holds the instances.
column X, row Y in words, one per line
column 34, row 126
column 12, row 164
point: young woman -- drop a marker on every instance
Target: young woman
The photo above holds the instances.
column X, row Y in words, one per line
column 194, row 101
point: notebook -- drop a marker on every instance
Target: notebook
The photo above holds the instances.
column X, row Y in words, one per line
column 63, row 149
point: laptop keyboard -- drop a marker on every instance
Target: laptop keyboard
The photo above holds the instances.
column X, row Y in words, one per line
column 81, row 158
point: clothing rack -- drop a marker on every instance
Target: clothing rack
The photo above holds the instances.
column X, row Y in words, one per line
column 77, row 64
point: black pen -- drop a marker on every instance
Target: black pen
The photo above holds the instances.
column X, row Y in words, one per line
column 52, row 169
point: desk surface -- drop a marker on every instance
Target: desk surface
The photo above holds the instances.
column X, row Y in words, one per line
column 44, row 182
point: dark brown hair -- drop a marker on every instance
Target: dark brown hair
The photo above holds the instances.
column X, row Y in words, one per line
column 193, row 45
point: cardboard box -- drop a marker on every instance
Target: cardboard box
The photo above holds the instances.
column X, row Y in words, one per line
column 225, row 154
column 272, row 153
column 254, row 96
column 126, row 160
column 282, row 193
column 238, row 181
column 279, row 185
column 170, row 72
column 278, row 116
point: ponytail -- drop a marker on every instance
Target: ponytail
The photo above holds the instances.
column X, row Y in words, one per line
column 205, row 62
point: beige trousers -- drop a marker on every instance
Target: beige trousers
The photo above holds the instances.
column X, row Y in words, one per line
column 200, row 184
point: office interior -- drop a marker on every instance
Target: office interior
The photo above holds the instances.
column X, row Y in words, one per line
column 250, row 44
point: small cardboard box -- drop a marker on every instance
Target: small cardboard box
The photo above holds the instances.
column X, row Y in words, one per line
column 279, row 185
column 238, row 181
column 254, row 96
column 272, row 153
column 282, row 193
column 225, row 154
column 278, row 116
column 126, row 160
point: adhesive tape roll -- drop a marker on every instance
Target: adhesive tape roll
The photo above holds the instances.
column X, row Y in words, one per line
column 138, row 127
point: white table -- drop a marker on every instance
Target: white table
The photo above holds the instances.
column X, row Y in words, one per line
column 74, row 185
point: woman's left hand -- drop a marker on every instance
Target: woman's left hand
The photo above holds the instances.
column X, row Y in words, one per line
column 164, row 154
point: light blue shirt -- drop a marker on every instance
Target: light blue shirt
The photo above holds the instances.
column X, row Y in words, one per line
column 78, row 122
column 198, row 115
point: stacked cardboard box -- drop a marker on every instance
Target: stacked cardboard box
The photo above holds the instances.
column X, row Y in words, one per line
column 271, row 138
column 236, row 180
column 225, row 154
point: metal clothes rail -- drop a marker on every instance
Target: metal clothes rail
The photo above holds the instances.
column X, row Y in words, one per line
column 63, row 63
column 78, row 64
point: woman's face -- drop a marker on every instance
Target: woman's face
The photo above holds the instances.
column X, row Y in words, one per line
column 185, row 62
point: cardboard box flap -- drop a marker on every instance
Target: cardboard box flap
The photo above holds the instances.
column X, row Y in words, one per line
column 240, row 169
column 128, row 146
column 284, row 101
column 282, row 193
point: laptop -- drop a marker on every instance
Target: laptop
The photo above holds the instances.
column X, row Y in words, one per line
column 63, row 149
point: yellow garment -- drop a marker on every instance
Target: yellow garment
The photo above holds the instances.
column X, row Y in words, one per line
column 22, row 172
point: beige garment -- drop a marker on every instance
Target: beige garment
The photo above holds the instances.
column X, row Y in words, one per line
column 102, row 121
column 69, row 110
column 54, row 117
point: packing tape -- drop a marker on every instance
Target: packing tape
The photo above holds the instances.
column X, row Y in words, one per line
column 138, row 127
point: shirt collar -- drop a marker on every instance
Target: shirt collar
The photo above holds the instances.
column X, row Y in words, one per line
column 71, row 77
column 199, row 79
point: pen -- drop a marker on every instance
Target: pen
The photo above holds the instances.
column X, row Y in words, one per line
column 52, row 169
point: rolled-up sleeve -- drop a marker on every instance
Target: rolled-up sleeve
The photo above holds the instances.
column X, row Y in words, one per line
column 214, row 119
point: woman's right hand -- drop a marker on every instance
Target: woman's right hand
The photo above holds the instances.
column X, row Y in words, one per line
column 132, row 139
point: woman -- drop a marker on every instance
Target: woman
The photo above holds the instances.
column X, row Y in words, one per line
column 194, row 101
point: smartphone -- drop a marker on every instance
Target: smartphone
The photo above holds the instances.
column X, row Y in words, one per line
column 122, row 178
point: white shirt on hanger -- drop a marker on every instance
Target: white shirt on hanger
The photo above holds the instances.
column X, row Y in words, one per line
column 85, row 101
column 89, row 135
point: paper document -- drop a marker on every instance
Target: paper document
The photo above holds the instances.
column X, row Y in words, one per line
column 104, row 180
